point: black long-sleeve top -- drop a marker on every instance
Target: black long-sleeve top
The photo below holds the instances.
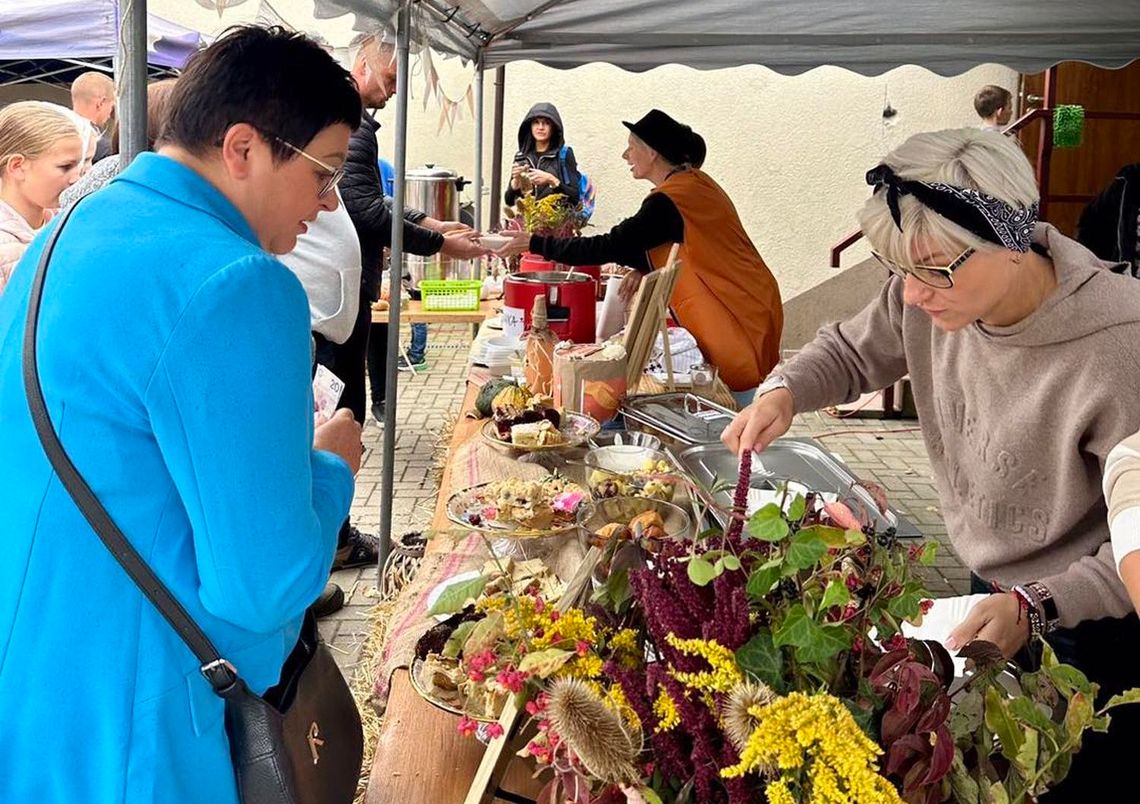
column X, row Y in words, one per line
column 655, row 223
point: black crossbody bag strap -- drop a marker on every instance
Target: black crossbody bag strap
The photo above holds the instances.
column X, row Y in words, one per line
column 216, row 670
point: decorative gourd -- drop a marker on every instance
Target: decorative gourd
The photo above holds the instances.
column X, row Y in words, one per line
column 510, row 398
column 483, row 402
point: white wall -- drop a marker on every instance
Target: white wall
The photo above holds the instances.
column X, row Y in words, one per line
column 791, row 151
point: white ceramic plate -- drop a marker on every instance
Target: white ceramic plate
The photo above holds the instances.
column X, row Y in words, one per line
column 944, row 616
column 503, row 342
column 442, row 586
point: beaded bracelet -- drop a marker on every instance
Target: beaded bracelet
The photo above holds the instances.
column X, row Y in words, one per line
column 1036, row 622
column 1047, row 604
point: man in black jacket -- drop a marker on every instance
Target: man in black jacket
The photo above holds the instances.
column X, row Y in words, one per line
column 374, row 70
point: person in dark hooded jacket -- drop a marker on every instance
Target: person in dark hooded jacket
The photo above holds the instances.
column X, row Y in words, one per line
column 1110, row 225
column 539, row 163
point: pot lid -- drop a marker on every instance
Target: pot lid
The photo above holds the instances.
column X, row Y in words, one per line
column 550, row 277
column 431, row 172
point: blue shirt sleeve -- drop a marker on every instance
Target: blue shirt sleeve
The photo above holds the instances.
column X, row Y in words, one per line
column 231, row 406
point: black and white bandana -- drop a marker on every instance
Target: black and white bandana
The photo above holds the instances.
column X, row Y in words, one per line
column 987, row 217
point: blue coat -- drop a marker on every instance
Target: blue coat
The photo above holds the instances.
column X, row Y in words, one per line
column 174, row 356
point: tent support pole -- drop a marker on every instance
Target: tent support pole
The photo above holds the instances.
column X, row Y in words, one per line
column 1045, row 140
column 497, row 147
column 130, row 77
column 479, row 143
column 403, row 38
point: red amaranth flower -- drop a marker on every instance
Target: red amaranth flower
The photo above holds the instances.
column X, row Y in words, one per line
column 925, row 605
column 740, row 496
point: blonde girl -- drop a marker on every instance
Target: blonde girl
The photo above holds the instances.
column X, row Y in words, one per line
column 41, row 154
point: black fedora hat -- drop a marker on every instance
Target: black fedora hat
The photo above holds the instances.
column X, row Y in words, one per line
column 675, row 141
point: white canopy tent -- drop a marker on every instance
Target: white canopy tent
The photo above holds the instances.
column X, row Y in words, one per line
column 788, row 36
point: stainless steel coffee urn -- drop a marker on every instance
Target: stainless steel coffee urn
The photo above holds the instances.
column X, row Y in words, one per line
column 435, row 191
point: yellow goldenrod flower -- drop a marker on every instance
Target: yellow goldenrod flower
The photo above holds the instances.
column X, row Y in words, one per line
column 615, row 699
column 778, row 793
column 724, row 674
column 813, row 739
column 666, row 710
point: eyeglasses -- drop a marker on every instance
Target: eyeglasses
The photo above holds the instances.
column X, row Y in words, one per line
column 936, row 276
column 335, row 174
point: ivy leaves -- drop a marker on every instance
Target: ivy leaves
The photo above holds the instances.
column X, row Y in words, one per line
column 813, row 642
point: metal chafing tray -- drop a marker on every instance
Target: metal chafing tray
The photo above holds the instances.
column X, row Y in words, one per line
column 680, row 417
column 801, row 460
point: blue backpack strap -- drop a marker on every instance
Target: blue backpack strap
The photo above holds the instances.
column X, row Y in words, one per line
column 562, row 168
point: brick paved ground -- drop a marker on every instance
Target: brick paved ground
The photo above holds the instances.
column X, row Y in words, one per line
column 895, row 460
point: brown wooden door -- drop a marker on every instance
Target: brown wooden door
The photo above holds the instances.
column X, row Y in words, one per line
column 1110, row 140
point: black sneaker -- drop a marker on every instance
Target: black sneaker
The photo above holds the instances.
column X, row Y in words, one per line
column 419, row 364
column 330, row 601
column 359, row 550
column 378, row 412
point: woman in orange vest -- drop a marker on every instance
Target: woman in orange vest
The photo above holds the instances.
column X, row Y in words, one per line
column 725, row 294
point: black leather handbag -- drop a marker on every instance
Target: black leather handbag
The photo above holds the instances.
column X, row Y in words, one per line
column 300, row 743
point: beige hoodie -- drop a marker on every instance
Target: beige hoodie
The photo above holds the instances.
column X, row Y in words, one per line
column 1017, row 420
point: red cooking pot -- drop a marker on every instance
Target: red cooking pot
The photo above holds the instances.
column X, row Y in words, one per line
column 530, row 263
column 570, row 304
column 533, row 263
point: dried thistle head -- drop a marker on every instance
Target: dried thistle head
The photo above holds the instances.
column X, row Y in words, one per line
column 593, row 731
column 739, row 722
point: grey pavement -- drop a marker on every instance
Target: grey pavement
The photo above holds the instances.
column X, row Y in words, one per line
column 888, row 452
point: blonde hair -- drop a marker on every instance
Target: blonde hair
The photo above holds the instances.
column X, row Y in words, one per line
column 31, row 128
column 985, row 161
column 374, row 49
column 92, row 86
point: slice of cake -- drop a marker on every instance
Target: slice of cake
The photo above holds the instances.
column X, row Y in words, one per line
column 536, row 434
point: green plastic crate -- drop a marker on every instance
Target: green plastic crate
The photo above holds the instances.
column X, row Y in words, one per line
column 450, row 295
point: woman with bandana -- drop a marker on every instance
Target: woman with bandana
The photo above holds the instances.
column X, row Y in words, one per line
column 1021, row 350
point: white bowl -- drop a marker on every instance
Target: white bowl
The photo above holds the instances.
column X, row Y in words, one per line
column 495, row 242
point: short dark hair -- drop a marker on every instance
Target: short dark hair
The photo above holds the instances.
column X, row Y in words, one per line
column 990, row 98
column 280, row 82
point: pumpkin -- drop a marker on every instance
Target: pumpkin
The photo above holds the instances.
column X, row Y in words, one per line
column 510, row 397
column 487, row 395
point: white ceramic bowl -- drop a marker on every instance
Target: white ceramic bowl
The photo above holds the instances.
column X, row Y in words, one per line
column 494, row 242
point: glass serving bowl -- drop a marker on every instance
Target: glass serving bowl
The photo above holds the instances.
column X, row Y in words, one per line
column 630, row 471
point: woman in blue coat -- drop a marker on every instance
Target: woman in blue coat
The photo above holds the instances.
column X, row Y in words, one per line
column 174, row 354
